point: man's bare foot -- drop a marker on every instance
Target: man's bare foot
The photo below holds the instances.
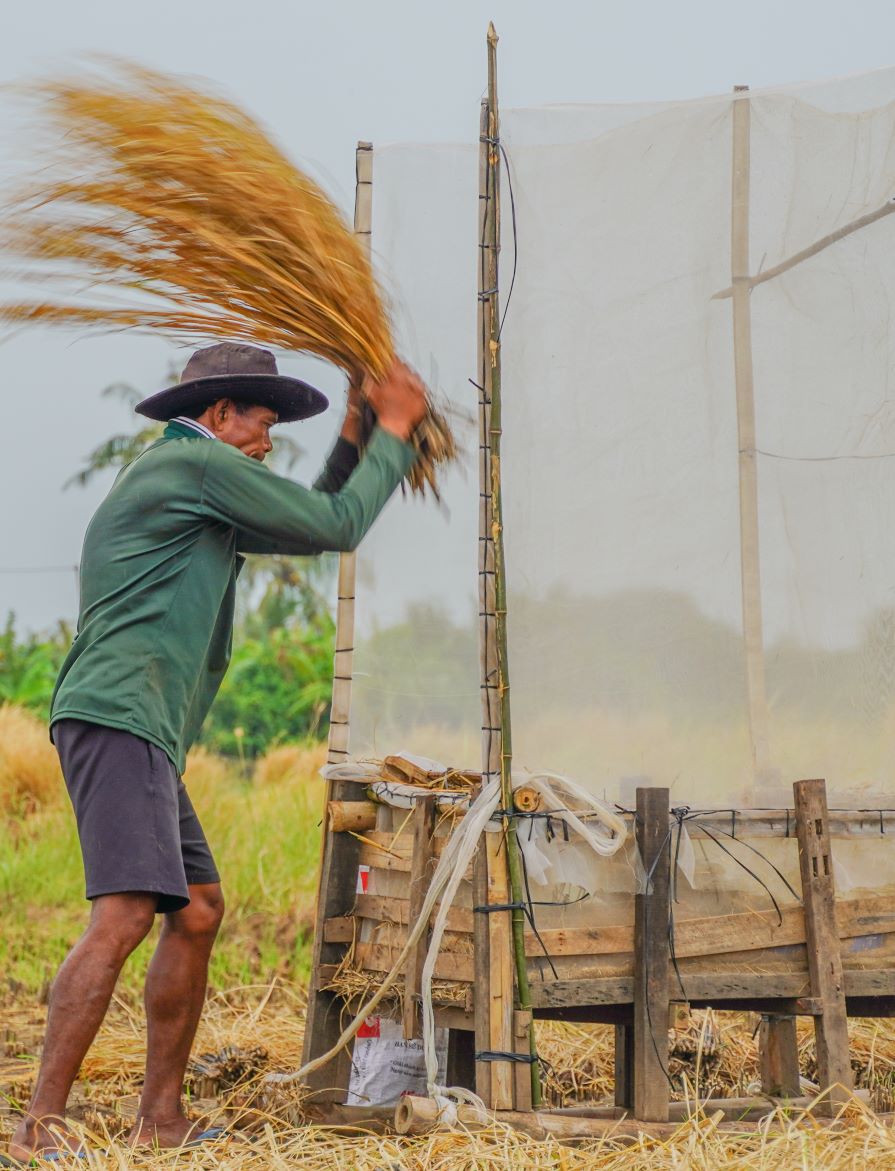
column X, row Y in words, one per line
column 43, row 1136
column 164, row 1133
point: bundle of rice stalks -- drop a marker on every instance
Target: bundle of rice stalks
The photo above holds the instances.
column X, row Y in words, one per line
column 178, row 204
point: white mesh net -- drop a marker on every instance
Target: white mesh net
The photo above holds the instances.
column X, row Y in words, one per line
column 622, row 471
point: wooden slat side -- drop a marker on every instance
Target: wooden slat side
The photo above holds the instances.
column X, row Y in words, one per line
column 381, row 957
column 388, row 909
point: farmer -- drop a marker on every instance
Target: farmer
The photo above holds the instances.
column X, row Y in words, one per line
column 158, row 578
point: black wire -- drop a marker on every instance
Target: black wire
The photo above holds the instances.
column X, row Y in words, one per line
column 752, row 873
column 515, row 241
column 529, row 913
column 743, row 842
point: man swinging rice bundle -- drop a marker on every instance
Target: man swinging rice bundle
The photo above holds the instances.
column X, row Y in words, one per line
column 180, row 205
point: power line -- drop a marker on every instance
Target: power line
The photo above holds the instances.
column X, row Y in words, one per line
column 39, row 568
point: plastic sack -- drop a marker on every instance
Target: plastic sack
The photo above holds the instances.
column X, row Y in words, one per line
column 384, row 1066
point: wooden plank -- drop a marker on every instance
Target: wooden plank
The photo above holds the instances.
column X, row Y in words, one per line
column 824, row 957
column 421, row 871
column 377, row 956
column 858, row 919
column 482, row 968
column 778, row 1056
column 500, row 973
column 651, row 957
column 877, row 823
column 447, row 1016
column 387, row 851
column 394, row 910
column 758, row 987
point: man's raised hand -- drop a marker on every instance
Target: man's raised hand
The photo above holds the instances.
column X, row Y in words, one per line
column 399, row 400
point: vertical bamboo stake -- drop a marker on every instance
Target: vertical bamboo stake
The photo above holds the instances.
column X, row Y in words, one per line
column 750, row 555
column 340, row 714
column 497, row 742
column 338, row 852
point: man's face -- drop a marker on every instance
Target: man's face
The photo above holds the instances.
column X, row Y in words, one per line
column 249, row 431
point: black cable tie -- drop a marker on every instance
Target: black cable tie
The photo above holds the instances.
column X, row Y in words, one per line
column 881, row 828
column 499, row 1055
column 490, row 908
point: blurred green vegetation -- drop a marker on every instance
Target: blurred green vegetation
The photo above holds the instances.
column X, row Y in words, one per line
column 264, row 830
column 280, row 678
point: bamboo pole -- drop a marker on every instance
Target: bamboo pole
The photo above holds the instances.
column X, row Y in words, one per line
column 497, row 744
column 750, row 554
column 340, row 714
column 338, row 851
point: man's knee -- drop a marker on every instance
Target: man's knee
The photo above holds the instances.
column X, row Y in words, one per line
column 120, row 922
column 203, row 916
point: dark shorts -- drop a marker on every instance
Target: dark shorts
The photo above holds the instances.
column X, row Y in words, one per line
column 137, row 825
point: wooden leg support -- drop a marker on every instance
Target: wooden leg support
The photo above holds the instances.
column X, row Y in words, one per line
column 336, row 894
column 422, row 867
column 624, row 1066
column 778, row 1052
column 651, row 959
column 822, row 939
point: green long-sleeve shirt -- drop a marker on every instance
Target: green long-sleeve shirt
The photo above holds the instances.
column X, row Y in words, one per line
column 159, row 566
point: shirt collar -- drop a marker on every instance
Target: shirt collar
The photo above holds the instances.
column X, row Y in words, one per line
column 193, row 425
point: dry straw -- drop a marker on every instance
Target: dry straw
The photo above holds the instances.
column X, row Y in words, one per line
column 275, row 1134
column 170, row 210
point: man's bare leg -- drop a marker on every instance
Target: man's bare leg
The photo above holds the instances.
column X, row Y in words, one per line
column 79, row 1000
column 175, row 993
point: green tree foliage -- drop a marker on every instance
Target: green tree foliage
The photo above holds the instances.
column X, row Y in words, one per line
column 29, row 665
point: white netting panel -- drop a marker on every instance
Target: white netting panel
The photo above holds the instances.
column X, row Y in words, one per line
column 621, row 467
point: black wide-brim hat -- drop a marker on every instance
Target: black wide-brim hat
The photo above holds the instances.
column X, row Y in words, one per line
column 245, row 374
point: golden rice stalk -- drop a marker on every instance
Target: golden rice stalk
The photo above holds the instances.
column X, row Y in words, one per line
column 170, row 210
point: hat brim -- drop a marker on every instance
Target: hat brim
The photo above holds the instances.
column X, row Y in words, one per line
column 289, row 397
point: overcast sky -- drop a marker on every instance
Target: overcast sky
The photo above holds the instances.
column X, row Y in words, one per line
column 321, row 76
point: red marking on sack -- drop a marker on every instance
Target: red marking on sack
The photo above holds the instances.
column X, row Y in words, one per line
column 370, row 1028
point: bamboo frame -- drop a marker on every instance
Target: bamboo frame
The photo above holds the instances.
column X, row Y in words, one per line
column 340, row 714
column 497, row 748
column 750, row 553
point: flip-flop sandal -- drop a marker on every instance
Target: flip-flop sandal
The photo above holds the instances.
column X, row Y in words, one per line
column 208, row 1136
column 36, row 1160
